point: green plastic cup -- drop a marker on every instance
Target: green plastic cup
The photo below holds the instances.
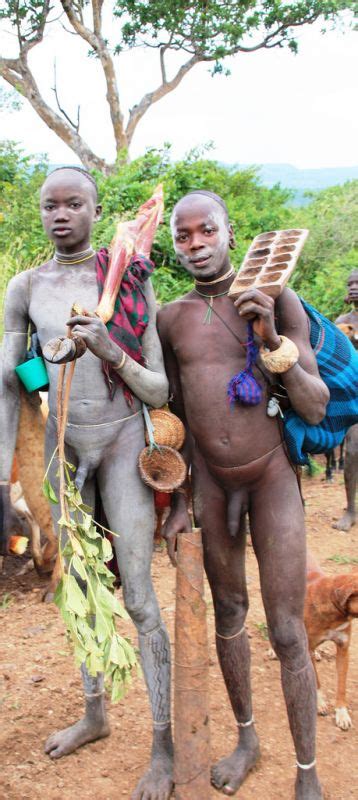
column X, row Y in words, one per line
column 33, row 374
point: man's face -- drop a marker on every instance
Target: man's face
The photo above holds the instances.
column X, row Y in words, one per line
column 201, row 236
column 352, row 284
column 68, row 209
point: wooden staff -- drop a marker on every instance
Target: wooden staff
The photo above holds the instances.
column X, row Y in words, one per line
column 191, row 707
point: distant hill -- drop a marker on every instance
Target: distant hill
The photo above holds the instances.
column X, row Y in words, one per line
column 303, row 180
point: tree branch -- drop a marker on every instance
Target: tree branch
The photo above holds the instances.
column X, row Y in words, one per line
column 98, row 44
column 74, row 125
column 17, row 73
column 138, row 111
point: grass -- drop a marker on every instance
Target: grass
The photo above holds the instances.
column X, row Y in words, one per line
column 6, row 601
column 262, row 629
column 338, row 559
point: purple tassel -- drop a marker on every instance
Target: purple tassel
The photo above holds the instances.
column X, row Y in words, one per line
column 244, row 386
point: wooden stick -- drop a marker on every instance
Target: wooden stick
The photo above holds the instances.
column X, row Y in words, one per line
column 191, row 714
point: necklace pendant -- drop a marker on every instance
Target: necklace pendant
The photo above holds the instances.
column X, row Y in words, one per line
column 209, row 311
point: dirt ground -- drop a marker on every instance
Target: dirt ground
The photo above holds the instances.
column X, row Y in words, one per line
column 40, row 689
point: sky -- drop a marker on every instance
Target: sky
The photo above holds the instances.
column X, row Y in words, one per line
column 275, row 107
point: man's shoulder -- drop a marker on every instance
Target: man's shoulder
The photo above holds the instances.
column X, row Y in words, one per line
column 171, row 310
column 290, row 311
column 21, row 281
column 288, row 301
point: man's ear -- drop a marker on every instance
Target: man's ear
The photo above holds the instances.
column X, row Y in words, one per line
column 98, row 213
column 232, row 243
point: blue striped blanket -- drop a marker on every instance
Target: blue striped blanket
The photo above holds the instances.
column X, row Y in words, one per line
column 337, row 362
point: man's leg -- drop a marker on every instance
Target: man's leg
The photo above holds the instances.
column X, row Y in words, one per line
column 94, row 724
column 224, row 557
column 350, row 480
column 129, row 508
column 278, row 536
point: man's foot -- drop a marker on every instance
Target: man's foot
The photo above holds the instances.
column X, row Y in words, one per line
column 229, row 773
column 346, row 522
column 157, row 783
column 307, row 785
column 62, row 743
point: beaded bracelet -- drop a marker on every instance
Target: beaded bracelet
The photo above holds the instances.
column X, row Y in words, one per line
column 282, row 359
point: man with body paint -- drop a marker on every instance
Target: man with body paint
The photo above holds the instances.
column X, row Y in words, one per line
column 103, row 440
column 239, row 465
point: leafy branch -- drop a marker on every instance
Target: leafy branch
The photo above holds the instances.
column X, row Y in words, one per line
column 85, row 593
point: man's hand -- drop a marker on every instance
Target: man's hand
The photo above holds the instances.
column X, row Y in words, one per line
column 177, row 522
column 261, row 307
column 95, row 334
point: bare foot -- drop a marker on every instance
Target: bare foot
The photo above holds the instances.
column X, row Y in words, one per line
column 307, row 785
column 229, row 773
column 62, row 743
column 346, row 522
column 157, row 783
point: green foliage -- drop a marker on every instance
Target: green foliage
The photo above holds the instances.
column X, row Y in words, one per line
column 313, row 467
column 338, row 559
column 214, row 29
column 9, row 101
column 331, row 251
column 85, row 595
column 252, row 207
column 263, row 630
column 5, row 601
column 329, row 256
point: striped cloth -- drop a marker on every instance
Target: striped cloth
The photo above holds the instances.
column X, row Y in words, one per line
column 130, row 317
column 337, row 362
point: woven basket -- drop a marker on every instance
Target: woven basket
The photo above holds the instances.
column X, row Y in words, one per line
column 163, row 470
column 169, row 430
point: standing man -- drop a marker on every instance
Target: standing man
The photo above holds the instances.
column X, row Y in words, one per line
column 349, row 324
column 239, row 465
column 351, row 318
column 104, row 436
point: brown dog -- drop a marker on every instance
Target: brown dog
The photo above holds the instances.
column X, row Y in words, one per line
column 331, row 604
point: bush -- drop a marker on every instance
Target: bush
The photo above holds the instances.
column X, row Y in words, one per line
column 329, row 255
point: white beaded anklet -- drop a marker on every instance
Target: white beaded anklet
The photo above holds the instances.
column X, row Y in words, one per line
column 246, row 724
column 161, row 724
column 220, row 636
column 306, row 766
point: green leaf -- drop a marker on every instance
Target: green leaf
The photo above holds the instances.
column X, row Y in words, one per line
column 107, row 549
column 117, row 654
column 48, row 491
column 109, row 601
column 90, row 549
column 129, row 651
column 75, row 599
column 59, row 596
column 78, row 566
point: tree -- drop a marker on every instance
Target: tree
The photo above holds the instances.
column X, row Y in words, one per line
column 331, row 251
column 23, row 243
column 204, row 31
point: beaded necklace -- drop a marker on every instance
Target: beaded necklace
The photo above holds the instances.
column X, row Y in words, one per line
column 217, row 280
column 80, row 257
